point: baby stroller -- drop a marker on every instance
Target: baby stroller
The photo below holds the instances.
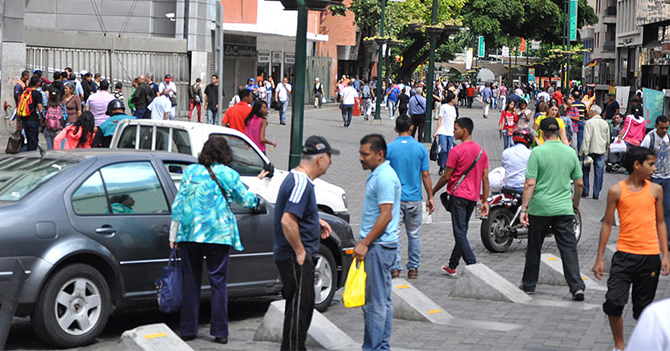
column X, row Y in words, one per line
column 614, row 159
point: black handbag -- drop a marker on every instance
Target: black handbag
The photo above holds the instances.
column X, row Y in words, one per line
column 447, row 198
column 434, row 150
column 15, row 143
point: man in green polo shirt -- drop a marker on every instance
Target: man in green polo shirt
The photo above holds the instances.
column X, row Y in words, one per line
column 548, row 203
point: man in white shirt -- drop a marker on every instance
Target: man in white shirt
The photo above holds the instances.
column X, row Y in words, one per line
column 281, row 97
column 160, row 107
column 652, row 332
column 171, row 88
column 445, row 130
column 515, row 160
column 595, row 145
column 657, row 140
column 349, row 95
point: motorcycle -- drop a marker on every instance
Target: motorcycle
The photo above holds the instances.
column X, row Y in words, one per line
column 503, row 224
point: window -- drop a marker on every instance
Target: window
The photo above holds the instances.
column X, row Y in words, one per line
column 176, row 171
column 246, row 161
column 127, row 139
column 21, row 175
column 90, row 198
column 112, row 190
column 181, row 142
column 162, row 138
column 146, row 134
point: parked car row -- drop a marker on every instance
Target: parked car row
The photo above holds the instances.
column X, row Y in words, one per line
column 91, row 229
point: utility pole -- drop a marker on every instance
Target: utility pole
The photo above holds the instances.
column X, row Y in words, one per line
column 380, row 63
column 299, row 86
column 428, row 132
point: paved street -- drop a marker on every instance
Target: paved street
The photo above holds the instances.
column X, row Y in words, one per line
column 544, row 328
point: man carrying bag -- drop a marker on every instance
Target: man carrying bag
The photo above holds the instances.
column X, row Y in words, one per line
column 466, row 174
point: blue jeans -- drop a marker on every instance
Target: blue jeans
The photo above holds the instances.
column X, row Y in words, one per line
column 598, row 168
column 213, row 117
column 282, row 113
column 49, row 137
column 446, row 142
column 580, row 135
column 347, row 111
column 142, row 113
column 411, row 214
column 507, row 140
column 378, row 308
column 392, row 106
column 461, row 210
column 665, row 184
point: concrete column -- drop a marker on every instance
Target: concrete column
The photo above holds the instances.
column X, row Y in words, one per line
column 13, row 49
column 199, row 66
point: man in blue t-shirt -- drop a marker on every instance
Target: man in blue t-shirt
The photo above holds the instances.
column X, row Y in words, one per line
column 409, row 159
column 298, row 230
column 379, row 240
column 392, row 93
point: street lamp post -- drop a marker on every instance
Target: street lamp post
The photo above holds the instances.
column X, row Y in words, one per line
column 380, row 62
column 298, row 110
column 431, row 75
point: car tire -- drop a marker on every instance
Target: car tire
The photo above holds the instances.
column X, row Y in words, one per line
column 325, row 278
column 73, row 307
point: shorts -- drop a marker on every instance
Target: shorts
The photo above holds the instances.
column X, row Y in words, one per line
column 642, row 272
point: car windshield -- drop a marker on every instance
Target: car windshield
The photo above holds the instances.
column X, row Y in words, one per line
column 21, row 175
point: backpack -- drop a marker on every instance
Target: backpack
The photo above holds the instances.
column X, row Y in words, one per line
column 365, row 94
column 26, row 105
column 54, row 118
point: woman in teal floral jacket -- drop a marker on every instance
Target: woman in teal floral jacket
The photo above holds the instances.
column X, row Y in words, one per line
column 203, row 225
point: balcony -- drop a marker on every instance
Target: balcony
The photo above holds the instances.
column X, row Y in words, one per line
column 609, row 46
column 610, row 11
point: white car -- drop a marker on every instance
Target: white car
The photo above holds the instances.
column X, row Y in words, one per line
column 248, row 160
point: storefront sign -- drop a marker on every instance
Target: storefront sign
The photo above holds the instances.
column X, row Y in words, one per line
column 276, row 56
column 531, row 75
column 239, row 50
column 289, row 59
column 263, row 57
column 653, row 105
column 573, row 20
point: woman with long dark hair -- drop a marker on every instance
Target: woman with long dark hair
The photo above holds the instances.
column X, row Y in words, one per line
column 204, row 226
column 79, row 135
column 256, row 123
column 507, row 124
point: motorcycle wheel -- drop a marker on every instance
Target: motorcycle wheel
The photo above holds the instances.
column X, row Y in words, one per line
column 578, row 225
column 494, row 236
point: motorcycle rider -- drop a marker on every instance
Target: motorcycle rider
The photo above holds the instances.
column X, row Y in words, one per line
column 515, row 159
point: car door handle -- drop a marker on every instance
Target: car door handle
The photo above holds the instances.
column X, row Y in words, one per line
column 105, row 230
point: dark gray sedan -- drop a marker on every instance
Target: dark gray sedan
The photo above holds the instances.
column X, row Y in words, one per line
column 91, row 229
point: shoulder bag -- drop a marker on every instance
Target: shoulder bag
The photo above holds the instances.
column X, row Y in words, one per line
column 168, row 287
column 447, row 198
column 216, row 180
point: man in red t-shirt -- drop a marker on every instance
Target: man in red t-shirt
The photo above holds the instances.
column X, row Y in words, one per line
column 466, row 195
column 235, row 116
column 470, row 91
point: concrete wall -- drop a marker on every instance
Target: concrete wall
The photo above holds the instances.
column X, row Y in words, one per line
column 116, row 17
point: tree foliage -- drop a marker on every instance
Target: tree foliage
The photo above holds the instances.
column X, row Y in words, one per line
column 500, row 22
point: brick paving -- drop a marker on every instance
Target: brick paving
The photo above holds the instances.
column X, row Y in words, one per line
column 544, row 328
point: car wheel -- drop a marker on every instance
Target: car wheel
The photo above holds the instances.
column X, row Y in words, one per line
column 73, row 307
column 325, row 275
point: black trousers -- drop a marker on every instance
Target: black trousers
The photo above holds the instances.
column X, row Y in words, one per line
column 419, row 122
column 298, row 291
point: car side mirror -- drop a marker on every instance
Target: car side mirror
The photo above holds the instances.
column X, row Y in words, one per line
column 270, row 168
column 262, row 206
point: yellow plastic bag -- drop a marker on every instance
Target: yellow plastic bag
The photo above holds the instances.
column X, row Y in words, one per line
column 354, row 287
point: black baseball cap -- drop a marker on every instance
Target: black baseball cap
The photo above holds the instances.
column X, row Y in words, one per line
column 549, row 124
column 318, row 145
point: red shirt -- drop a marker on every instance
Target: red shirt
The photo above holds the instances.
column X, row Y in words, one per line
column 558, row 96
column 470, row 91
column 460, row 158
column 236, row 115
column 508, row 119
